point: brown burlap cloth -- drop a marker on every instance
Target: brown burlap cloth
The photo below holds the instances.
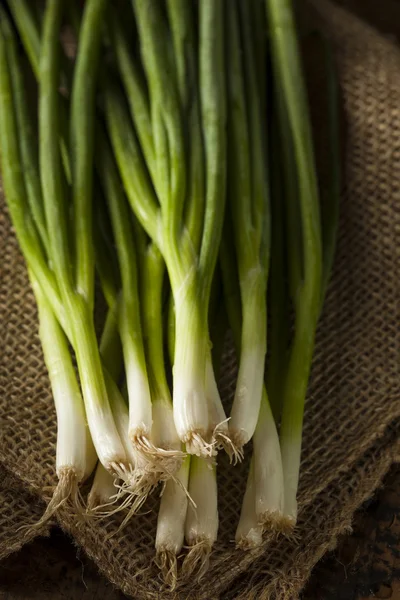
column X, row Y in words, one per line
column 352, row 421
column 18, row 509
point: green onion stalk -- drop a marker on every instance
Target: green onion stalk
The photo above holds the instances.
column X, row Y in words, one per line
column 165, row 443
column 265, row 485
column 128, row 302
column 182, row 23
column 181, row 212
column 33, row 186
column 75, row 456
column 139, row 478
column 151, row 426
column 218, row 325
column 27, row 23
column 142, row 273
column 278, row 294
column 201, row 526
column 249, row 531
column 151, row 422
column 76, row 283
column 145, row 473
column 173, row 508
column 61, row 287
column 248, row 193
column 306, row 300
column 171, row 524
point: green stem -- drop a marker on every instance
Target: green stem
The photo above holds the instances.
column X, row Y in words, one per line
column 15, row 189
column 29, row 31
column 213, row 116
column 137, row 96
column 130, row 326
column 186, row 58
column 156, row 56
column 287, row 65
column 28, row 149
column 130, row 163
column 80, row 317
column 82, row 142
column 153, row 269
column 29, row 26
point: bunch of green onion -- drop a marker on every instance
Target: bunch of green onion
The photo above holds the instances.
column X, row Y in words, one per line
column 169, row 159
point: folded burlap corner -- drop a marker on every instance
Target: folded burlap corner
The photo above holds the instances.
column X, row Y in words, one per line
column 351, row 427
column 18, row 510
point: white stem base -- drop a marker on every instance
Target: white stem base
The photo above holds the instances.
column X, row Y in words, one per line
column 189, row 375
column 202, row 515
column 291, row 453
column 172, row 512
column 140, row 408
column 249, row 531
column 246, row 404
column 268, row 472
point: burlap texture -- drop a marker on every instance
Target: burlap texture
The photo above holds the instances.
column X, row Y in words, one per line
column 19, row 508
column 350, row 427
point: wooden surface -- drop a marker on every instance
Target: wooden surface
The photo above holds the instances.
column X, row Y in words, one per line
column 365, row 565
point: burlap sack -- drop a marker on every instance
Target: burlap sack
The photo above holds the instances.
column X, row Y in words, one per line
column 350, row 433
column 19, row 509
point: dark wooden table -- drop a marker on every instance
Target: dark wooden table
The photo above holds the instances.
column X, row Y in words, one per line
column 365, row 565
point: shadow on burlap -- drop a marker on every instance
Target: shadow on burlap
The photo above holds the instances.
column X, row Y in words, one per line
column 353, row 408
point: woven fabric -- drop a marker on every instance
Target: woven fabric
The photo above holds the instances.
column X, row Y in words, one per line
column 18, row 511
column 350, row 427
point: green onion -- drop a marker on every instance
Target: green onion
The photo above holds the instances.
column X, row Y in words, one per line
column 171, row 524
column 151, row 426
column 129, row 312
column 201, row 525
column 29, row 31
column 294, row 112
column 82, row 123
column 76, row 457
column 249, row 532
column 161, row 210
column 105, row 437
column 13, row 176
column 189, row 190
column 165, row 440
column 264, row 498
column 248, row 190
column 216, row 413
